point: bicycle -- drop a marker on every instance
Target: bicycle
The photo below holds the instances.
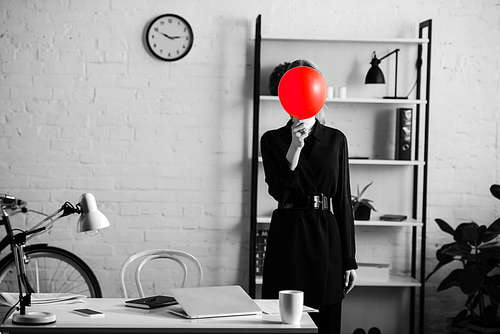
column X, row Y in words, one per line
column 48, row 269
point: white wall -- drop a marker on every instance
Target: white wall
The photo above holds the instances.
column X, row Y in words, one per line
column 165, row 147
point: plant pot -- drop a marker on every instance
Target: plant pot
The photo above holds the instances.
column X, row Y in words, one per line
column 362, row 212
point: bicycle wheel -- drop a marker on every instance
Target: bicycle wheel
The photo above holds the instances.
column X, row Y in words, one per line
column 50, row 270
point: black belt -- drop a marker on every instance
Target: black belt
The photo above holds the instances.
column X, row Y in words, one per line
column 313, row 202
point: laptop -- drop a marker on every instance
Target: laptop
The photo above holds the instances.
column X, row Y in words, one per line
column 211, row 302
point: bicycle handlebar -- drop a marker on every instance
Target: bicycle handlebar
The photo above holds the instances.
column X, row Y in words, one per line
column 12, row 203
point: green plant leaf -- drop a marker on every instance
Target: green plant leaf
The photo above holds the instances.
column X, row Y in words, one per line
column 438, row 266
column 459, row 318
column 445, row 227
column 495, row 190
column 356, row 201
column 490, row 314
column 473, row 301
column 492, row 289
column 443, row 259
column 459, row 232
column 441, row 256
column 472, row 278
column 489, row 263
column 470, row 234
column 463, row 228
column 491, row 249
column 364, row 189
column 481, row 230
column 457, row 249
column 451, row 280
column 495, row 279
column 492, row 231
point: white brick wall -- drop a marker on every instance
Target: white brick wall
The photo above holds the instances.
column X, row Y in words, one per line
column 164, row 147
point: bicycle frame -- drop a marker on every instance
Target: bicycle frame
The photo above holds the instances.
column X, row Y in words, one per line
column 6, row 241
column 18, row 241
column 5, row 221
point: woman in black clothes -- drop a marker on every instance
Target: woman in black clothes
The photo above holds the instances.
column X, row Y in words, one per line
column 311, row 244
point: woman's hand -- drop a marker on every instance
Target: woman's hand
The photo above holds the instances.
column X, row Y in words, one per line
column 350, row 278
column 299, row 134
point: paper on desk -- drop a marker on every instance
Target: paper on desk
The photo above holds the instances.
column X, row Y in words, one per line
column 11, row 298
column 272, row 306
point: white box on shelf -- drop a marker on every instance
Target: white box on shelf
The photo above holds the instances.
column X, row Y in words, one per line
column 373, row 271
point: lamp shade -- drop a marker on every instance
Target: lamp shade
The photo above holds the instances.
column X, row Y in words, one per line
column 90, row 219
column 374, row 75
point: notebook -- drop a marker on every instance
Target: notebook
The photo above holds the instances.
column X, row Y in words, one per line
column 211, row 302
column 151, row 302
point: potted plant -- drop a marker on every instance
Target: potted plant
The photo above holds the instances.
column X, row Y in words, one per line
column 275, row 77
column 478, row 251
column 362, row 207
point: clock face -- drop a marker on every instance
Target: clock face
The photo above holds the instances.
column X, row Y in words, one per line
column 169, row 37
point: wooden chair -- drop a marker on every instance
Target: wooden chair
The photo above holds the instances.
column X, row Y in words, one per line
column 180, row 257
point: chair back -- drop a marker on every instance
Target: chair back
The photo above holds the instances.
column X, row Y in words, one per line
column 180, row 257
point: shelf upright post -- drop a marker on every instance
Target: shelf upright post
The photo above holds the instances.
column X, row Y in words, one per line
column 255, row 157
column 426, row 25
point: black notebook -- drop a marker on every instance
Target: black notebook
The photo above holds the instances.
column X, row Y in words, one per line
column 393, row 218
column 151, row 302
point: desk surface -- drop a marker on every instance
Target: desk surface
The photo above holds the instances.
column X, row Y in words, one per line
column 121, row 319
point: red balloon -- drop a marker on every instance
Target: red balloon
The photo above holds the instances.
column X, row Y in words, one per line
column 302, row 92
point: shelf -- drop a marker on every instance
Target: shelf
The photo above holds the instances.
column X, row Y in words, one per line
column 382, row 162
column 285, row 38
column 379, row 223
column 263, row 220
column 375, row 223
column 375, row 100
column 394, row 281
column 354, row 161
column 357, row 100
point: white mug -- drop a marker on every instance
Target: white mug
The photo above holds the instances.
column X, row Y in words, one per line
column 291, row 304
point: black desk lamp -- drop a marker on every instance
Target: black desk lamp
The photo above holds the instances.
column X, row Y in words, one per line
column 375, row 75
column 90, row 221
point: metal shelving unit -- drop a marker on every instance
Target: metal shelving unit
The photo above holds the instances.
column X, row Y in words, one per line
column 416, row 280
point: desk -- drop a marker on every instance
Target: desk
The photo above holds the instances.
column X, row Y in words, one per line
column 121, row 319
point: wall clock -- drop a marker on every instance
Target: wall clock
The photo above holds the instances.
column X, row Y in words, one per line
column 169, row 37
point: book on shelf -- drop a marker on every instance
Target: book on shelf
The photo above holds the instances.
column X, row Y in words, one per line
column 393, row 218
column 260, row 251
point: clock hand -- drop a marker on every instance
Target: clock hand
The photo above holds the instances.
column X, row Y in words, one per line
column 173, row 37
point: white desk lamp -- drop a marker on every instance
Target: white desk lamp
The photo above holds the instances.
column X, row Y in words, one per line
column 91, row 221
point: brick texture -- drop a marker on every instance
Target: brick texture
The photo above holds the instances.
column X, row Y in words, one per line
column 165, row 147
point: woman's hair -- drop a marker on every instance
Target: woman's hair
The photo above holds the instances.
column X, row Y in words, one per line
column 303, row 62
column 320, row 116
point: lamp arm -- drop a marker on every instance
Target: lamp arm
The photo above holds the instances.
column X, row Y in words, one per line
column 18, row 243
column 387, row 55
column 47, row 223
column 396, row 51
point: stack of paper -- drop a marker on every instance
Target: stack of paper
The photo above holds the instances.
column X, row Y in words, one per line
column 373, row 271
column 9, row 299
